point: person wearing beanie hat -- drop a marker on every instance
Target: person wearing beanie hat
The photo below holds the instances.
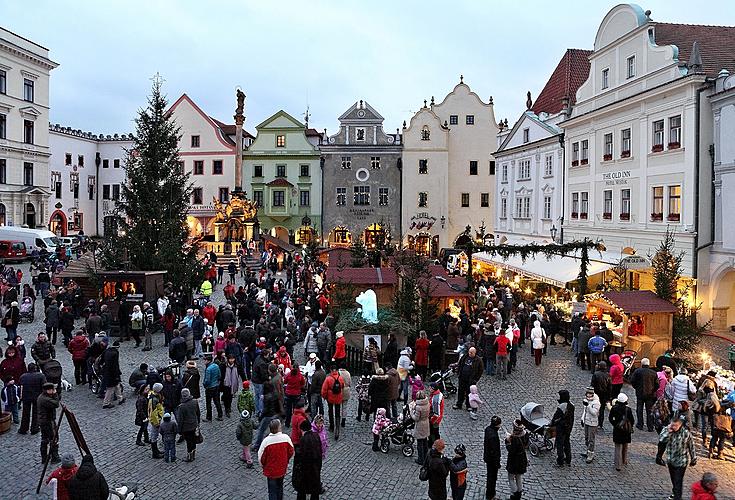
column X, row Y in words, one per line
column 244, row 434
column 188, row 417
column 63, row 475
column 458, row 472
column 590, row 416
column 88, row 482
column 299, row 415
column 563, row 420
column 676, row 441
column 645, row 382
column 168, row 430
column 491, row 455
column 622, row 420
column 517, row 460
column 340, row 350
column 155, row 416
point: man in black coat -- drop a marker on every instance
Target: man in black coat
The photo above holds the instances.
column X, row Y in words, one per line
column 177, row 348
column 31, row 386
column 47, row 403
column 563, row 420
column 602, row 384
column 469, row 371
column 88, row 483
column 111, row 375
column 645, row 383
column 491, row 455
column 123, row 319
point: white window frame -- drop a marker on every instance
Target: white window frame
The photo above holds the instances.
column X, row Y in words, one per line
column 549, row 165
column 547, row 208
column 605, row 78
column 630, row 67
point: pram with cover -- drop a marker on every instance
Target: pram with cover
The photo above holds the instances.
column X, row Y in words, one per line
column 27, row 310
column 539, row 433
column 399, row 433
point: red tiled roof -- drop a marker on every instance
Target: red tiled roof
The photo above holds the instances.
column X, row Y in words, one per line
column 363, row 275
column 279, row 182
column 231, row 129
column 715, row 44
column 639, row 301
column 569, row 75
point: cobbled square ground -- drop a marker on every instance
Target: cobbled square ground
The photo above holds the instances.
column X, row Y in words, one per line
column 352, row 471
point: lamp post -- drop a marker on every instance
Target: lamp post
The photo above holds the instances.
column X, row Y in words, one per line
column 553, row 231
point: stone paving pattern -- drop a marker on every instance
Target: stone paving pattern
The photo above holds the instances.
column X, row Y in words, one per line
column 352, row 470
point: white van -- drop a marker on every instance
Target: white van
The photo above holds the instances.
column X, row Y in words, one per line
column 35, row 239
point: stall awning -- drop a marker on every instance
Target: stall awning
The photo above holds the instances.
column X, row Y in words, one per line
column 557, row 271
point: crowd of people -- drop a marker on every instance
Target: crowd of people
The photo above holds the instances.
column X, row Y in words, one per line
column 240, row 357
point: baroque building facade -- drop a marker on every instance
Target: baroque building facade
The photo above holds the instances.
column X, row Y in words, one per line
column 361, row 179
column 282, row 175
column 530, row 158
column 448, row 171
column 86, row 172
column 24, row 135
column 638, row 139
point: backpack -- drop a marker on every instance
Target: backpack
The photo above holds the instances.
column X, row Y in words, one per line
column 624, row 424
column 336, row 386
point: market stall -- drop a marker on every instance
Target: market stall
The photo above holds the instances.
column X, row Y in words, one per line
column 639, row 319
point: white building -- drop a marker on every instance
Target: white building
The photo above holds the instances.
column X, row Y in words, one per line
column 530, row 158
column 638, row 138
column 448, row 171
column 207, row 151
column 24, row 140
column 717, row 268
column 86, row 174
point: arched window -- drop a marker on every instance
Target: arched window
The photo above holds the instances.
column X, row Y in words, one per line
column 425, row 134
column 30, row 215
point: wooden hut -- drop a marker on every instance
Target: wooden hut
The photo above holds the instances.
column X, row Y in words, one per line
column 619, row 308
column 382, row 280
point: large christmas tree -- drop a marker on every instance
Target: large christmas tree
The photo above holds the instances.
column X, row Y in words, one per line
column 153, row 234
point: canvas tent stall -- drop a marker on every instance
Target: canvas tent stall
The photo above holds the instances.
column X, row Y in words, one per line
column 618, row 309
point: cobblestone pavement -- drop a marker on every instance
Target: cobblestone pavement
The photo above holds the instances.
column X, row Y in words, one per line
column 352, row 471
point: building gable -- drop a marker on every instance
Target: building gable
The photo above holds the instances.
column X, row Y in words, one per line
column 537, row 131
column 361, row 112
column 280, row 120
column 193, row 121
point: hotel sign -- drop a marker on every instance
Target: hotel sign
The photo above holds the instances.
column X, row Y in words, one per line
column 616, row 178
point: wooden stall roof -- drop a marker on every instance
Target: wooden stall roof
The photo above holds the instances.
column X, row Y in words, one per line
column 336, row 256
column 83, row 267
column 363, row 275
column 443, row 285
column 283, row 245
column 634, row 301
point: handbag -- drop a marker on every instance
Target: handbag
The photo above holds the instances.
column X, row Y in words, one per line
column 424, row 473
column 198, row 438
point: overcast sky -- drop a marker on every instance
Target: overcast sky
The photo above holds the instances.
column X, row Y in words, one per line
column 288, row 54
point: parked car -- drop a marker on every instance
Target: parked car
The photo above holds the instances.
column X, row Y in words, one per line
column 13, row 251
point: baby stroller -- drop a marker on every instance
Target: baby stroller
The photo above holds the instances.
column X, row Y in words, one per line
column 539, row 433
column 27, row 310
column 628, row 359
column 398, row 433
column 53, row 371
column 444, row 379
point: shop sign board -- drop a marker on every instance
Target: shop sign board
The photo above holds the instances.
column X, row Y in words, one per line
column 616, row 178
column 636, row 262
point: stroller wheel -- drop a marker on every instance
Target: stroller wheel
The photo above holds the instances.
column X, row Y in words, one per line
column 549, row 444
column 407, row 450
column 534, row 449
column 94, row 387
column 384, row 445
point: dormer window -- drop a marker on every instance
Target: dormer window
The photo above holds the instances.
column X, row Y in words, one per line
column 425, row 134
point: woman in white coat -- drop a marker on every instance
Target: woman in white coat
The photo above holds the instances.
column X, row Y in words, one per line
column 590, row 412
column 538, row 338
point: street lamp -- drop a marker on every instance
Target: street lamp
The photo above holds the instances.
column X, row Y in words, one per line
column 553, row 231
column 443, row 220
